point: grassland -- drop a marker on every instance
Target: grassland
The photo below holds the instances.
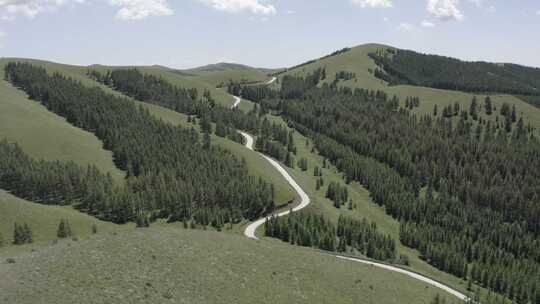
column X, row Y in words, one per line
column 358, row 62
column 220, row 77
column 44, row 220
column 165, row 265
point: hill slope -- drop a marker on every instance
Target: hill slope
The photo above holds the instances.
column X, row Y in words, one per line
column 180, row 79
column 220, row 73
column 357, row 61
column 44, row 219
column 160, row 265
column 45, row 135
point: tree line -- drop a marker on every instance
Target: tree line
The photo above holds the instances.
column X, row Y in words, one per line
column 171, row 172
column 350, row 235
column 412, row 68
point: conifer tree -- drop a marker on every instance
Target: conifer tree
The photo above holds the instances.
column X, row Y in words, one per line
column 488, row 105
column 473, row 110
column 28, row 236
column 62, row 230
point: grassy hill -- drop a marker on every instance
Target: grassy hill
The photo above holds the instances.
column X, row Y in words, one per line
column 44, row 220
column 357, row 61
column 166, row 265
column 220, row 73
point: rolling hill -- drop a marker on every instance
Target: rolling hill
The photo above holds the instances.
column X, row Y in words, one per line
column 357, row 60
column 188, row 253
column 45, row 135
column 220, row 73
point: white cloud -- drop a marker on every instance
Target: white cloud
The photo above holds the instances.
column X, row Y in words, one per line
column 478, row 3
column 373, row 3
column 445, row 9
column 141, row 9
column 426, row 23
column 235, row 6
column 10, row 9
column 406, row 27
column 538, row 13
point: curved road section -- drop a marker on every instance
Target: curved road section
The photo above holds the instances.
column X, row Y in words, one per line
column 304, row 198
column 236, row 102
column 271, row 80
column 304, row 202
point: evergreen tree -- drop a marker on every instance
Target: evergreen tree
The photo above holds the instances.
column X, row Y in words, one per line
column 473, row 110
column 488, row 105
column 62, row 231
column 207, row 141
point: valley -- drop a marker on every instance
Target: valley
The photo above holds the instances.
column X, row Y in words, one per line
column 310, row 128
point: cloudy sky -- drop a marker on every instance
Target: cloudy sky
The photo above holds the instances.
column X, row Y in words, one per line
column 264, row 33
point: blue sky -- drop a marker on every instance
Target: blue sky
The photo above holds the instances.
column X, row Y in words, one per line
column 263, row 33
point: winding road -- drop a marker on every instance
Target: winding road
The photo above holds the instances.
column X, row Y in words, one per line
column 304, row 198
column 237, row 101
column 271, row 80
column 305, row 201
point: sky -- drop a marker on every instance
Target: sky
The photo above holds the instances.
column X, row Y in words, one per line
column 263, row 33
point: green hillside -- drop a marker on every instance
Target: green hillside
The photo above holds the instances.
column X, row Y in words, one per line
column 164, row 265
column 79, row 73
column 409, row 67
column 45, row 135
column 357, row 61
column 220, row 73
column 22, row 118
column 44, row 220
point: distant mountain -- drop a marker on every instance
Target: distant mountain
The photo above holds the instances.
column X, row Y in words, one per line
column 226, row 66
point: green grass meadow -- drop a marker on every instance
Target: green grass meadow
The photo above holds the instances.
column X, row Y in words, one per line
column 166, row 265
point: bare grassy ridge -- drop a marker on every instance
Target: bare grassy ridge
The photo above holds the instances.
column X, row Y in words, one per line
column 161, row 265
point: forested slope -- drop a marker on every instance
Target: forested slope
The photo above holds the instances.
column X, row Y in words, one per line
column 156, row 156
column 409, row 67
column 45, row 135
column 357, row 60
column 178, row 79
column 187, row 108
column 478, row 219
